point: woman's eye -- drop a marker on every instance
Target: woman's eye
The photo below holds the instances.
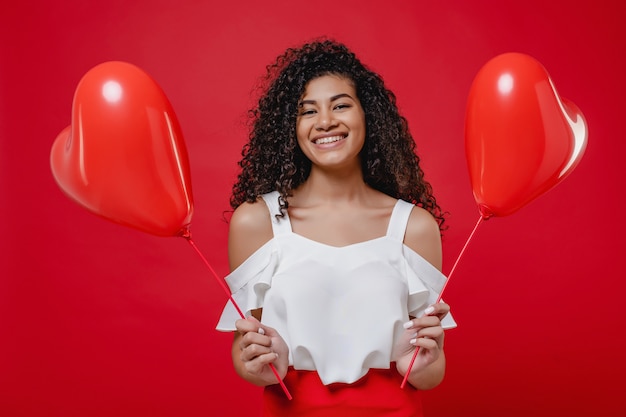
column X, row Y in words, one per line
column 342, row 106
column 307, row 112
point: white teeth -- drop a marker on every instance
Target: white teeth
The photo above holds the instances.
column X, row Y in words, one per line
column 328, row 140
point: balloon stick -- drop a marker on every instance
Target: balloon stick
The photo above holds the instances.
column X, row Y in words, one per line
column 230, row 297
column 406, row 376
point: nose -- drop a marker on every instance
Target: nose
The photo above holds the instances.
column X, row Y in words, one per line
column 325, row 120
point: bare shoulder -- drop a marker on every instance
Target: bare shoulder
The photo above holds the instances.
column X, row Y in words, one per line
column 250, row 228
column 424, row 237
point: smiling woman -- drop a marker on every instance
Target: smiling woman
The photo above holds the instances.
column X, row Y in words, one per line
column 334, row 245
column 331, row 122
column 99, row 320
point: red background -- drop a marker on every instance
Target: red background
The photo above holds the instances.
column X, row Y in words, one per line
column 101, row 320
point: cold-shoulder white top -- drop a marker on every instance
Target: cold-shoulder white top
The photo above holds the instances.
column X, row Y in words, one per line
column 339, row 309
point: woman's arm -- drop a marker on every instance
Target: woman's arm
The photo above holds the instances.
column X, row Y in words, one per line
column 424, row 237
column 254, row 346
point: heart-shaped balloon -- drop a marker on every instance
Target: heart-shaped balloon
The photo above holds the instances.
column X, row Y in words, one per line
column 124, row 157
column 521, row 138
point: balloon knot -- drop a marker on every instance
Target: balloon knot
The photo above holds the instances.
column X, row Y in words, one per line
column 185, row 232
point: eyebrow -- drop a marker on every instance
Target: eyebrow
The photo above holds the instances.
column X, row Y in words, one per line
column 333, row 98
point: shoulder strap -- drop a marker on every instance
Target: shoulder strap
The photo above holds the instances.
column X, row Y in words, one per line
column 280, row 225
column 399, row 220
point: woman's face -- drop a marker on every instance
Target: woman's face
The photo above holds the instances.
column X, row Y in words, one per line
column 331, row 123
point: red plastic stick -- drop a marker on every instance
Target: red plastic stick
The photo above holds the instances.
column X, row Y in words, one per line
column 230, row 297
column 406, row 376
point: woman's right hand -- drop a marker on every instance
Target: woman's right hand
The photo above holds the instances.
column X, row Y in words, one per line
column 261, row 346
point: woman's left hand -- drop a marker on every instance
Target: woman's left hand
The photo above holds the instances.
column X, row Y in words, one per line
column 424, row 333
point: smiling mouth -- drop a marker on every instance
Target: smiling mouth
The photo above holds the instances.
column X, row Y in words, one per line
column 330, row 139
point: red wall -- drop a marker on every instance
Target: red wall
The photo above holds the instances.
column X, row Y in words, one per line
column 101, row 320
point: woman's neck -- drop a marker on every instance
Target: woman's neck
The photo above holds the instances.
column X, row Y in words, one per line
column 336, row 187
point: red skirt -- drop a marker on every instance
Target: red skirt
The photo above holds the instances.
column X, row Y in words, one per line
column 377, row 394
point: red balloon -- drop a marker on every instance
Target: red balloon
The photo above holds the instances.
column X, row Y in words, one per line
column 124, row 157
column 521, row 137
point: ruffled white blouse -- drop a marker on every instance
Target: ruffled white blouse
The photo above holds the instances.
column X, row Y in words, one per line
column 339, row 309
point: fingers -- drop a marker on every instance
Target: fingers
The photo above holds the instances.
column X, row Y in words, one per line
column 254, row 338
column 255, row 344
column 425, row 343
column 427, row 329
column 252, row 332
column 422, row 322
column 249, row 324
column 439, row 309
column 257, row 363
column 434, row 333
column 256, row 351
column 252, row 351
column 252, row 325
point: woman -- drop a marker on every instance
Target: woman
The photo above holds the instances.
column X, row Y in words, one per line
column 334, row 245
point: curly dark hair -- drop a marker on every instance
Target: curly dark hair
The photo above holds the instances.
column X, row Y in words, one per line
column 272, row 159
